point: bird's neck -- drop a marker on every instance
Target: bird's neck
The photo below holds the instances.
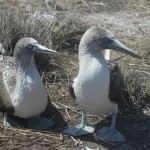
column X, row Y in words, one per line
column 23, row 62
column 26, row 72
column 88, row 52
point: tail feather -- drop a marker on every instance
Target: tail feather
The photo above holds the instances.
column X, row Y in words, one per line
column 107, row 54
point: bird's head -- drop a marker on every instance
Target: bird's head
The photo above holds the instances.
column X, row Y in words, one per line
column 104, row 39
column 30, row 46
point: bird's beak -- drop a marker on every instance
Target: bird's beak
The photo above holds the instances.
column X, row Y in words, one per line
column 118, row 46
column 42, row 49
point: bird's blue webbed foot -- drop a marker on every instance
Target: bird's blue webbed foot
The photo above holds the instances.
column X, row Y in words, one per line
column 35, row 123
column 81, row 129
column 110, row 134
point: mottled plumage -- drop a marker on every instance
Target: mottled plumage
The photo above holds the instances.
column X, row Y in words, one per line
column 5, row 99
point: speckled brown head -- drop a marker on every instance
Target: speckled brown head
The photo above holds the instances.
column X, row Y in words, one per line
column 98, row 38
column 25, row 50
column 30, row 46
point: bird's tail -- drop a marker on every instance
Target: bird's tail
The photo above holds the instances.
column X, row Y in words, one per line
column 107, row 54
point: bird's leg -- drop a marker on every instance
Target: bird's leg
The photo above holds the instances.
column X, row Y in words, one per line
column 113, row 121
column 84, row 120
column 81, row 129
column 10, row 122
column 110, row 134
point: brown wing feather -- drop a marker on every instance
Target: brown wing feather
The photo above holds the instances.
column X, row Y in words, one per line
column 116, row 82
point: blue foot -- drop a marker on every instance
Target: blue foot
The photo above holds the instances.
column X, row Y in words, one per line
column 35, row 123
column 39, row 123
column 79, row 130
column 10, row 123
column 110, row 135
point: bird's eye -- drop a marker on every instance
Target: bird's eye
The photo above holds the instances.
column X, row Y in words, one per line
column 107, row 40
column 30, row 46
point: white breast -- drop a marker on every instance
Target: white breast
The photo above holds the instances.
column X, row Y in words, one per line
column 30, row 97
column 92, row 87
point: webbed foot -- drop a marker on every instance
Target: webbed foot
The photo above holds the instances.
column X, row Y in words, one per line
column 110, row 135
column 79, row 130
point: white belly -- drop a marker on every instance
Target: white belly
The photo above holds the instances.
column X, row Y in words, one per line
column 92, row 88
column 31, row 99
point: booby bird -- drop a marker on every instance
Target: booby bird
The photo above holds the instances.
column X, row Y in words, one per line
column 92, row 84
column 22, row 92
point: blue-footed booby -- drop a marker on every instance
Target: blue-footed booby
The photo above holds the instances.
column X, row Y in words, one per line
column 22, row 92
column 92, row 85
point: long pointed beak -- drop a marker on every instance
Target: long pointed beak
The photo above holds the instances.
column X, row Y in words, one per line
column 118, row 46
column 42, row 49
